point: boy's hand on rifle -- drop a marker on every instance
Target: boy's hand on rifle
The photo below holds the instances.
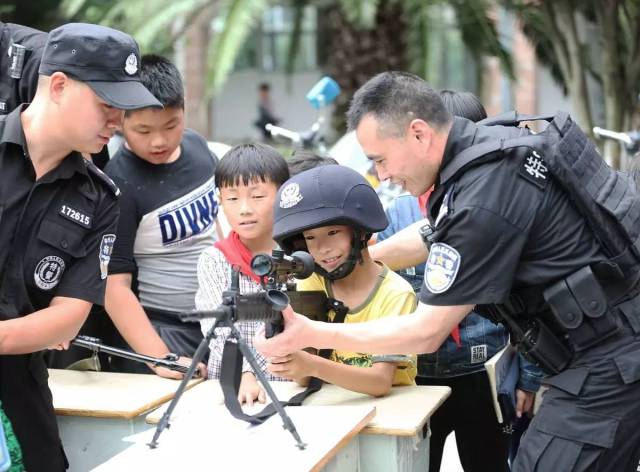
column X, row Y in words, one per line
column 298, row 331
column 250, row 390
column 172, row 374
column 295, row 366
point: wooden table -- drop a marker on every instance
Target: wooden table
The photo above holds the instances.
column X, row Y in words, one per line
column 392, row 441
column 97, row 409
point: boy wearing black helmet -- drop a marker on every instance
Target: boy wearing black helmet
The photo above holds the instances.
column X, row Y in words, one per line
column 331, row 211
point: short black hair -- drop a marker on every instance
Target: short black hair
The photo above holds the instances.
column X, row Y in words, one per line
column 463, row 104
column 264, row 86
column 245, row 163
column 162, row 78
column 395, row 99
column 302, row 160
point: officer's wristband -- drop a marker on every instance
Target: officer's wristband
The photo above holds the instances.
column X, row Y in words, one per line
column 426, row 233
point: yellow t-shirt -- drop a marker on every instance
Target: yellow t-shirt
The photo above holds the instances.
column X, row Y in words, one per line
column 392, row 296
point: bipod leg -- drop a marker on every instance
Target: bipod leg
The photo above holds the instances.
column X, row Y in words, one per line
column 287, row 423
column 197, row 357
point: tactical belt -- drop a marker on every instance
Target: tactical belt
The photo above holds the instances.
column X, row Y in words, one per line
column 551, row 323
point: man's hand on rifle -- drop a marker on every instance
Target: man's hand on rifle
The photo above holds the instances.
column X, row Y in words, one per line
column 172, row 374
column 298, row 334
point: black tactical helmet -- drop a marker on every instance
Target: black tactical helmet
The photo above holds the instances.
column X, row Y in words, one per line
column 323, row 196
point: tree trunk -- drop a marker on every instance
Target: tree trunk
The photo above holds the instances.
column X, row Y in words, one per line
column 357, row 55
column 577, row 83
column 606, row 15
column 197, row 105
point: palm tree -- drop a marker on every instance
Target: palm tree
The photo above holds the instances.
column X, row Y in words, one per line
column 365, row 36
column 597, row 39
column 370, row 37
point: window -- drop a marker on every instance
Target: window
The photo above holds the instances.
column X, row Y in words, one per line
column 268, row 48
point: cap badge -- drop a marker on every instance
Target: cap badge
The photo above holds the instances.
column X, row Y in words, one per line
column 290, row 196
column 131, row 66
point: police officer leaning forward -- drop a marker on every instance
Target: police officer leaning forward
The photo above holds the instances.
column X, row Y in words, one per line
column 502, row 227
column 58, row 216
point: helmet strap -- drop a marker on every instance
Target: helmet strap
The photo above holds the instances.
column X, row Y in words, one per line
column 355, row 256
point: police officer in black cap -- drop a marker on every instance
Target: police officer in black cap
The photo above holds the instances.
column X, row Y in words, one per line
column 59, row 216
column 539, row 234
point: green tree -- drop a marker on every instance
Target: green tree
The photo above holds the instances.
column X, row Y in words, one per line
column 364, row 36
column 598, row 39
column 39, row 14
column 370, row 37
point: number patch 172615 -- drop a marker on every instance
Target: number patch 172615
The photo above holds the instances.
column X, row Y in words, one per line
column 75, row 215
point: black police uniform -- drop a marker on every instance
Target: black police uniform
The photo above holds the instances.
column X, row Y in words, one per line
column 504, row 226
column 19, row 65
column 56, row 235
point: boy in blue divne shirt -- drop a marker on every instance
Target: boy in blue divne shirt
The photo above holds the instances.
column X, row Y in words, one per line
column 168, row 211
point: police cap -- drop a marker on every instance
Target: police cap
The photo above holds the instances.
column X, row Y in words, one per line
column 107, row 60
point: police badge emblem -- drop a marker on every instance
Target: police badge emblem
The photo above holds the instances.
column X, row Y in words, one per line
column 290, row 196
column 442, row 268
column 106, row 248
column 48, row 272
column 131, row 66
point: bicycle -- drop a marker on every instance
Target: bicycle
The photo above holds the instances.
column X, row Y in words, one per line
column 323, row 93
column 630, row 140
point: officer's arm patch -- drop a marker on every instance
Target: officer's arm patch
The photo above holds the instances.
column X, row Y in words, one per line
column 535, row 170
column 442, row 268
column 106, row 248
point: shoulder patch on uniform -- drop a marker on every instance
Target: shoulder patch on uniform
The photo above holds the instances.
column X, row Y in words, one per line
column 534, row 169
column 442, row 268
column 104, row 178
column 106, row 248
column 48, row 272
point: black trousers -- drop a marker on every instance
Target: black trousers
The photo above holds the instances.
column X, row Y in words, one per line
column 589, row 417
column 28, row 403
column 482, row 446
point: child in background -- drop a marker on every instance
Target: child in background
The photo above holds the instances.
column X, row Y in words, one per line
column 331, row 212
column 168, row 214
column 247, row 178
column 304, row 160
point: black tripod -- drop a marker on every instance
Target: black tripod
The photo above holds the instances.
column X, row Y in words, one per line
column 263, row 306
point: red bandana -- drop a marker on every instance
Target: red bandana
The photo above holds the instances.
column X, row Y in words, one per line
column 237, row 254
